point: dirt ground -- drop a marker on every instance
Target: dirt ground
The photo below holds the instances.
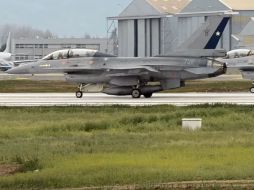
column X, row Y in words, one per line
column 6, row 169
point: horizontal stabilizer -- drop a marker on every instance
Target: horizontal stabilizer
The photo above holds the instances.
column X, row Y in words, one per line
column 202, row 71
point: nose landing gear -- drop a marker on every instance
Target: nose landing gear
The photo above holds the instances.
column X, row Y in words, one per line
column 79, row 94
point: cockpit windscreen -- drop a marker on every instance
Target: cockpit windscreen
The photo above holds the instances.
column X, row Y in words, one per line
column 75, row 53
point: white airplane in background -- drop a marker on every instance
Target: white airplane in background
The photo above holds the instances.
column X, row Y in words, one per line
column 5, row 56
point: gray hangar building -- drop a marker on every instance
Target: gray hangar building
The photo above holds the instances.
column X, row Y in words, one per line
column 152, row 27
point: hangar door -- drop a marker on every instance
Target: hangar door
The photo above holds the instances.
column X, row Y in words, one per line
column 139, row 37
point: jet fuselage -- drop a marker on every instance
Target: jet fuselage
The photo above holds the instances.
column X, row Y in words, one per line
column 105, row 67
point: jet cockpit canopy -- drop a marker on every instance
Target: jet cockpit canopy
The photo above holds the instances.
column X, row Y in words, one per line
column 75, row 53
column 238, row 53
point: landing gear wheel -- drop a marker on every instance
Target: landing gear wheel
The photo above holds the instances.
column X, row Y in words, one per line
column 148, row 95
column 136, row 93
column 252, row 90
column 79, row 94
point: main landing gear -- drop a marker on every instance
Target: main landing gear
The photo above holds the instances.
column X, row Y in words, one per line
column 79, row 94
column 252, row 88
column 136, row 93
column 148, row 95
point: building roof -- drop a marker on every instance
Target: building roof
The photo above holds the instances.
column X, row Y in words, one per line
column 152, row 8
column 160, row 8
column 169, row 6
column 218, row 5
column 239, row 4
column 205, row 6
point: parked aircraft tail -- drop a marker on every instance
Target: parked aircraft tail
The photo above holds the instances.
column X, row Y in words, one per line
column 208, row 35
column 8, row 44
column 5, row 65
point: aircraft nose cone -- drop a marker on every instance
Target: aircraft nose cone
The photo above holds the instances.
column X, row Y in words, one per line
column 22, row 69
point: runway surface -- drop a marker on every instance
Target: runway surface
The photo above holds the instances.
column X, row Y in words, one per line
column 66, row 99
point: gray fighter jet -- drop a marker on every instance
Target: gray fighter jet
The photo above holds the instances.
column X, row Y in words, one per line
column 242, row 59
column 194, row 59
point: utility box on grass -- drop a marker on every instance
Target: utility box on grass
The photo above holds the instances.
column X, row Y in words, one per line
column 192, row 123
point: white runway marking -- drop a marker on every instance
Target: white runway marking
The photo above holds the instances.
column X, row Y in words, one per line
column 67, row 99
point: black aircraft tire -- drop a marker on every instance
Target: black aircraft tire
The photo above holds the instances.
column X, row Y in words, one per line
column 252, row 90
column 148, row 95
column 79, row 94
column 136, row 93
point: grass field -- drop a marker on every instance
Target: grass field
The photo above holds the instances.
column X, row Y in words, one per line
column 96, row 146
column 20, row 86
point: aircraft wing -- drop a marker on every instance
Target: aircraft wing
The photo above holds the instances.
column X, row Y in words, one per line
column 147, row 68
column 120, row 75
column 130, row 69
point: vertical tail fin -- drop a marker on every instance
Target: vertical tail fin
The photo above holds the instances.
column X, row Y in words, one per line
column 8, row 44
column 208, row 35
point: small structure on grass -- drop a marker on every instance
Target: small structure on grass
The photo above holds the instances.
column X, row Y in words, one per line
column 192, row 123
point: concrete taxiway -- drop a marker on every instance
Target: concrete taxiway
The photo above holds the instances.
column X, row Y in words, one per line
column 69, row 99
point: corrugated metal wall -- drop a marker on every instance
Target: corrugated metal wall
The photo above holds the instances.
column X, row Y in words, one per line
column 187, row 26
column 141, row 38
column 148, row 37
column 168, row 34
column 126, row 38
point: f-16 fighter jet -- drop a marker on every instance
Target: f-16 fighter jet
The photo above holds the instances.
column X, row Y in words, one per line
column 194, row 59
column 242, row 59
